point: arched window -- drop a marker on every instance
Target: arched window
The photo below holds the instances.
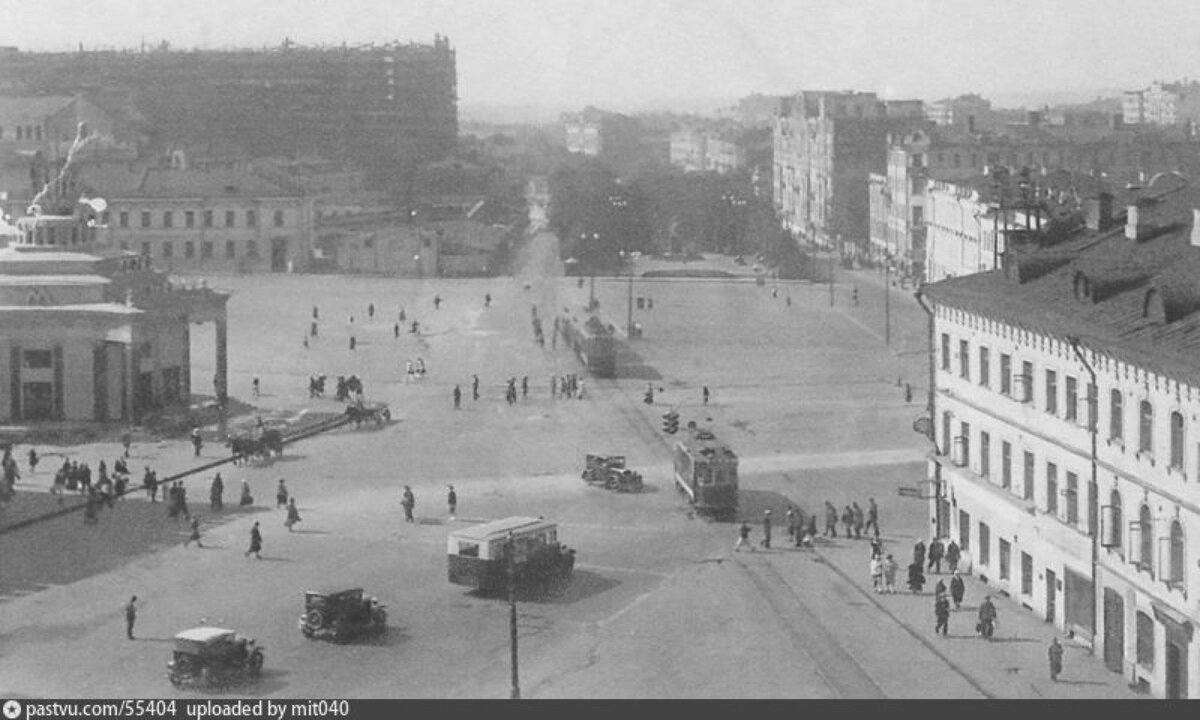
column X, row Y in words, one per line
column 1146, row 540
column 1146, row 428
column 1083, row 289
column 1175, row 572
column 1177, row 440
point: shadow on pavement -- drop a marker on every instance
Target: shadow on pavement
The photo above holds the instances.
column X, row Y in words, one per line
column 582, row 585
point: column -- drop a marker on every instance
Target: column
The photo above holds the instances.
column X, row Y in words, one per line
column 221, row 381
column 128, row 382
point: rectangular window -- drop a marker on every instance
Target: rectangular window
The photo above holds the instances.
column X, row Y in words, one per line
column 965, row 440
column 947, row 440
column 984, row 369
column 985, row 454
column 964, row 530
column 167, row 250
column 1052, row 392
column 1006, row 465
column 251, row 218
column 1026, row 574
column 37, row 359
column 145, row 249
column 252, row 248
column 1072, row 408
column 206, row 250
column 124, row 218
column 208, row 218
column 1005, row 559
column 1052, row 489
column 1005, row 374
column 985, row 544
column 946, row 352
column 1027, row 381
column 145, row 218
column 278, row 218
column 1116, row 417
column 1027, row 477
column 1072, row 498
column 964, row 360
column 229, row 218
column 230, row 249
column 189, row 218
column 1145, row 640
column 189, row 249
column 168, row 219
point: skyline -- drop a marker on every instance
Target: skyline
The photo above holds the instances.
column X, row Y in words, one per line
column 626, row 55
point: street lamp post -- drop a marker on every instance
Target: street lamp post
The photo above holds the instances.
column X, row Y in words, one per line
column 515, row 692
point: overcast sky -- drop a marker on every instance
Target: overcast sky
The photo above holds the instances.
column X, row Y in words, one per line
column 624, row 54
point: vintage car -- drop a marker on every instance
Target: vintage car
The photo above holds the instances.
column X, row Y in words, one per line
column 479, row 555
column 210, row 656
column 609, row 472
column 341, row 614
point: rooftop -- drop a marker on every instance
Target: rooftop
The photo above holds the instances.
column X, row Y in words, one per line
column 119, row 180
column 30, row 109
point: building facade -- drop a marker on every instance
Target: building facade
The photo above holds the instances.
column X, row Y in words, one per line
column 1163, row 104
column 1065, row 404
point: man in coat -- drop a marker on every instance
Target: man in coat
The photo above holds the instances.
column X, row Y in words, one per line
column 830, row 520
column 941, row 610
column 408, row 502
column 987, row 618
column 936, row 551
column 957, row 589
column 953, row 555
column 919, row 553
column 255, row 542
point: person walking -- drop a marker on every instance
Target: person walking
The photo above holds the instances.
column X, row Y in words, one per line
column 940, row 588
column 1055, row 653
column 255, row 542
column 889, row 574
column 396, row 331
column 810, row 532
column 130, row 616
column 474, row 387
column 216, row 493
column 457, row 397
column 876, row 547
column 766, row 541
column 195, row 536
column 848, row 521
column 936, row 552
column 33, row 460
column 293, row 514
column 246, row 498
column 957, row 589
column 524, row 386
column 941, row 610
column 281, row 494
column 953, row 555
column 743, row 537
column 872, row 517
column 126, row 441
column 919, row 553
column 197, row 441
column 704, row 394
column 409, row 502
column 916, row 578
column 370, row 311
column 876, row 567
column 452, row 501
column 987, row 618
column 830, row 520
column 792, row 525
column 437, row 302
column 858, row 520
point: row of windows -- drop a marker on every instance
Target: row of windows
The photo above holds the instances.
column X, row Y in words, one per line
column 25, row 132
column 189, row 218
column 189, row 249
column 1141, row 543
column 1020, row 386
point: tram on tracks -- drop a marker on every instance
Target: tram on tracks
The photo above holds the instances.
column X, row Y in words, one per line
column 706, row 471
column 592, row 341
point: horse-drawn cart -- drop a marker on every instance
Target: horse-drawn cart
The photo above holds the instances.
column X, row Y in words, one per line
column 368, row 412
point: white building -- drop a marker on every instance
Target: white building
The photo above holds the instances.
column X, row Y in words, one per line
column 1066, row 419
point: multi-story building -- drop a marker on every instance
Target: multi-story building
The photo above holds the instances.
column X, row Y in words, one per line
column 1163, row 104
column 1065, row 403
column 713, row 150
column 971, row 112
column 211, row 221
column 825, row 146
column 380, row 107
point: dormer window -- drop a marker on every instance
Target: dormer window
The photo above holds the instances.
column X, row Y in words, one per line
column 1152, row 306
column 1083, row 287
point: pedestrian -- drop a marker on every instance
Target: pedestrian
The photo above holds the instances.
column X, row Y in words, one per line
column 197, row 441
column 810, row 532
column 743, row 537
column 130, row 616
column 316, row 313
column 1055, row 653
column 889, row 574
column 553, row 387
column 792, row 525
column 830, row 520
column 987, row 618
column 183, row 508
column 916, row 578
column 255, row 388
column 936, row 552
column 953, row 555
column 876, row 566
column 409, row 502
column 215, row 493
column 789, row 300
column 195, row 536
column 452, row 501
column 414, row 328
column 919, row 553
column 437, row 302
column 126, row 441
column 487, row 300
column 457, row 397
column 305, row 342
column 876, row 547
column 581, row 390
column 872, row 516
column 940, row 588
column 255, row 542
column 150, row 482
column 421, row 367
column 704, row 394
column 396, row 330
column 401, row 317
column 957, row 589
column 371, row 311
column 524, row 386
column 858, row 520
column 312, row 330
column 293, row 514
column 848, row 521
column 766, row 541
column 247, row 498
column 941, row 610
column 281, row 494
column 907, row 393
column 353, row 342
column 475, row 387
column 33, row 460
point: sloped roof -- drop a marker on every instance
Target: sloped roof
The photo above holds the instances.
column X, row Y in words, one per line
column 125, row 181
column 20, row 110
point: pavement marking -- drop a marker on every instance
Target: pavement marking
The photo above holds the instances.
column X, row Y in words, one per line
column 634, row 603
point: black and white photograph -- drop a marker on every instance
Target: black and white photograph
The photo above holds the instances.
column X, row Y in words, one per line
column 597, row 350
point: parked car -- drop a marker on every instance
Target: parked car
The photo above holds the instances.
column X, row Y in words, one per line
column 341, row 614
column 210, row 656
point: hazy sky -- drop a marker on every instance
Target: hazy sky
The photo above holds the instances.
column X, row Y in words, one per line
column 621, row 54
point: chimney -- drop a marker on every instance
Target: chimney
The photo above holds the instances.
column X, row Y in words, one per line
column 1098, row 212
column 1135, row 224
column 1195, row 238
column 971, row 123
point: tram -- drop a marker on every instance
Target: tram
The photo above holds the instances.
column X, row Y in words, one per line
column 592, row 342
column 706, row 472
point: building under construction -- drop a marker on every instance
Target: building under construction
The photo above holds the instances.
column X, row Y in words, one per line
column 381, row 108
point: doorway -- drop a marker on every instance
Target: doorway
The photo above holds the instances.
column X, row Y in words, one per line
column 279, row 254
column 1114, row 631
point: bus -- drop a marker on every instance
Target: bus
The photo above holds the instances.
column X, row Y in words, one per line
column 706, row 472
column 477, row 554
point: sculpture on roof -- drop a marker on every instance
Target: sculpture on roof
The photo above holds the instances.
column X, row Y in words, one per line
column 60, row 195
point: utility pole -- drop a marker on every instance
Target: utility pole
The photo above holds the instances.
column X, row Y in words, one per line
column 629, row 320
column 832, row 259
column 887, row 302
column 515, row 693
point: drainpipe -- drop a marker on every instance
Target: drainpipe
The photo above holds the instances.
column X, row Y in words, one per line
column 929, row 410
column 1094, row 488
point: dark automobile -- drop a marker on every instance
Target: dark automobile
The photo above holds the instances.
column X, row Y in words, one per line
column 210, row 656
column 341, row 615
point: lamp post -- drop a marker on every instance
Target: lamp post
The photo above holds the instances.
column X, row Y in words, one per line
column 511, row 551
